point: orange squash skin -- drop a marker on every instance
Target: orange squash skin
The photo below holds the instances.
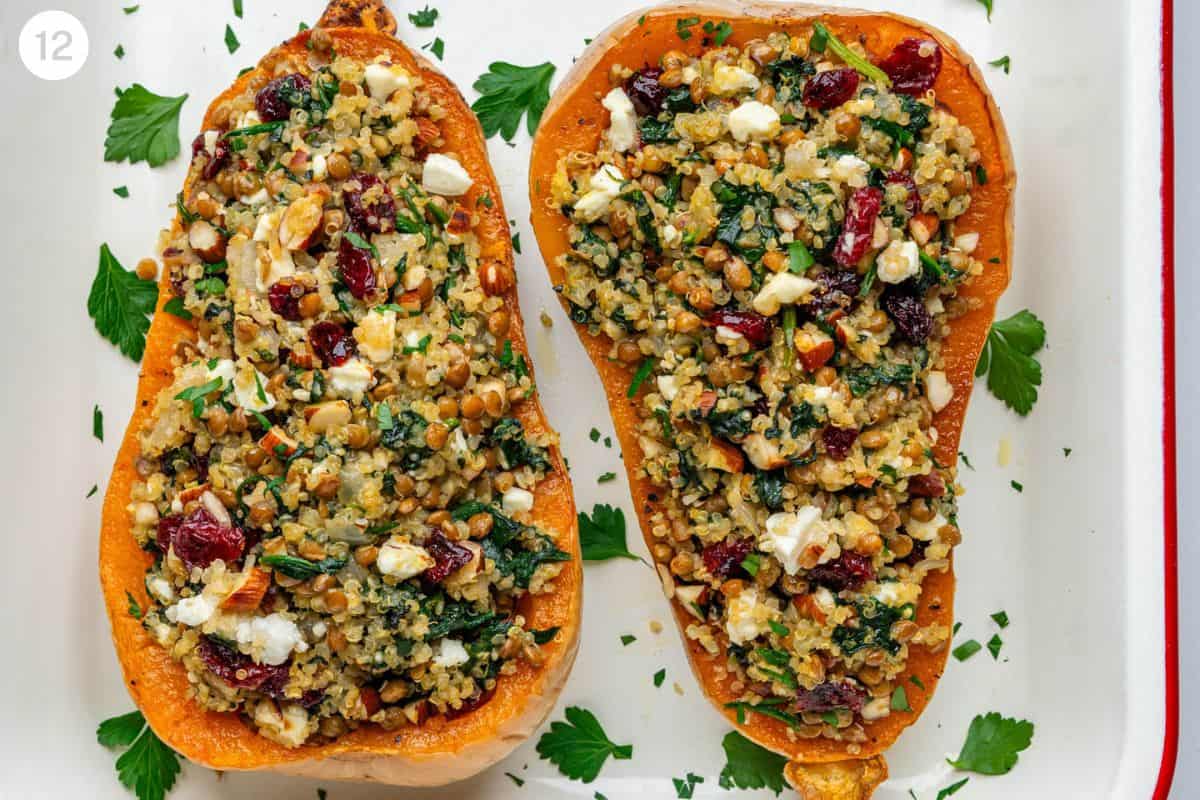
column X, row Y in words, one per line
column 575, row 120
column 440, row 750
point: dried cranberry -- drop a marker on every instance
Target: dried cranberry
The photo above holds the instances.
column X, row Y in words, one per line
column 847, row 571
column 311, row 698
column 200, row 539
column 448, row 557
column 276, row 100
column 755, row 327
column 839, row 441
column 331, row 343
column 836, row 288
column 918, row 553
column 647, row 94
column 354, row 265
column 479, row 698
column 240, row 670
column 723, row 558
column 377, row 213
column 830, row 696
column 831, row 88
column 859, row 227
column 912, row 202
column 911, row 71
column 930, row 485
column 909, row 314
column 217, row 159
column 284, row 297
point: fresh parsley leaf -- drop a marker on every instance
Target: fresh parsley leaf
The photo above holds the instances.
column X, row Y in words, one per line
column 606, row 477
column 237, row 8
column 175, row 307
column 721, row 31
column 659, row 677
column 198, row 395
column 1001, row 619
column 684, row 25
column 627, row 639
column 992, row 744
column 120, row 304
column 121, row 191
column 579, row 747
column 639, row 377
column 1004, row 63
column 602, row 535
column 134, row 609
column 148, row 767
column 437, row 47
column 510, row 776
column 231, row 40
column 1066, row 452
column 994, row 644
column 988, row 5
column 594, row 435
column 545, row 636
column 97, row 423
column 143, row 126
column 685, row 787
column 91, row 492
column 424, row 18
column 951, row 789
column 966, row 649
column 506, row 92
column 131, row 9
column 1019, row 487
column 748, row 766
column 900, row 700
column 1013, row 374
column 800, row 258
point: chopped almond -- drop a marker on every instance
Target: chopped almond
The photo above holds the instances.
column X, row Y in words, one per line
column 193, row 493
column 496, row 278
column 277, row 442
column 323, row 416
column 806, row 604
column 460, row 221
column 206, row 241
column 249, row 594
column 922, row 227
column 814, row 347
column 300, row 222
column 724, row 457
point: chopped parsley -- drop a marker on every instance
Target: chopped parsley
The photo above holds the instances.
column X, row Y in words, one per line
column 148, row 766
column 594, row 435
column 97, row 423
column 1013, row 374
column 987, row 4
column 437, row 47
column 602, row 535
column 1017, row 486
column 684, row 25
column 1004, row 63
column 119, row 51
column 134, row 609
column 627, row 639
column 686, row 786
column 1001, row 619
column 966, row 649
column 606, row 477
column 720, row 33
column 237, row 8
column 120, row 304
column 994, row 644
column 91, row 492
column 900, row 700
column 579, row 747
column 424, row 18
column 951, row 789
column 121, row 191
column 509, row 775
column 174, row 306
column 659, row 677
column 506, row 92
column 993, row 742
column 231, row 40
column 143, row 126
column 639, row 377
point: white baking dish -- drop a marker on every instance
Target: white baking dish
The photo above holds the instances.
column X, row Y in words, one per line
column 1081, row 560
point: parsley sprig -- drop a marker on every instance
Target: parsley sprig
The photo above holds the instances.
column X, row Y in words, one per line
column 1013, row 374
column 579, row 747
column 120, row 304
column 506, row 92
column 602, row 536
column 749, row 766
column 993, row 742
column 148, row 767
column 144, row 126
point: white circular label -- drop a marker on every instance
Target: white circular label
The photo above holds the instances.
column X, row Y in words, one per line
column 53, row 45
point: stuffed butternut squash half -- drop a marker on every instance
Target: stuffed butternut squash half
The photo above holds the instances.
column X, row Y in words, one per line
column 338, row 500
column 781, row 232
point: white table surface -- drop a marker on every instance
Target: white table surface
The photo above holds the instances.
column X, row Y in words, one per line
column 1187, row 383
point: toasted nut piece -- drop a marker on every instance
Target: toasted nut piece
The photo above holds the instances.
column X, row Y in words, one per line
column 922, row 227
column 428, row 132
column 814, row 347
column 762, row 452
column 724, row 456
column 460, row 221
column 193, row 493
column 496, row 278
column 206, row 241
column 323, row 416
column 277, row 442
column 806, row 604
column 248, row 595
column 300, row 222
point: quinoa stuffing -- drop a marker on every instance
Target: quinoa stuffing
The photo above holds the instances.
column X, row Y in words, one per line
column 337, row 486
column 767, row 234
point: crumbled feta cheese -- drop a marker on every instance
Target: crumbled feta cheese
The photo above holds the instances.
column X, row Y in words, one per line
column 402, row 560
column 668, row 385
column 967, row 242
column 898, row 262
column 271, row 638
column 290, row 728
column 350, row 378
column 275, row 260
column 878, row 708
column 449, row 653
column 789, row 535
column 161, row 589
column 445, row 176
column 897, row 593
column 671, row 236
column 782, row 288
column 382, row 80
column 223, row 369
column 730, row 79
column 753, row 120
column 622, row 126
column 517, row 500
column 925, row 531
column 250, row 389
column 604, row 187
column 320, row 167
column 746, row 617
column 376, row 335
column 193, row 611
column 210, row 140
column 938, row 389
column 319, row 629
column 850, row 170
